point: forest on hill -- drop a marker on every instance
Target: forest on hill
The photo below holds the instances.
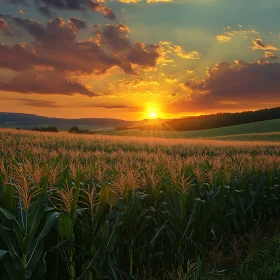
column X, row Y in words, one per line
column 215, row 120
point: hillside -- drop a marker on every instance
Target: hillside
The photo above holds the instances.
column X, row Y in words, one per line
column 265, row 130
column 204, row 122
column 28, row 121
column 215, row 121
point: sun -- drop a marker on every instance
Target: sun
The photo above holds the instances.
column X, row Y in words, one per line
column 153, row 115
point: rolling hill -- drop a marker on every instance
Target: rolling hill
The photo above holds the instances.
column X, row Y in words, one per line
column 28, row 121
column 261, row 131
column 214, row 121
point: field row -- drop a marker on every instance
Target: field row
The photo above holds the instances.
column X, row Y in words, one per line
column 97, row 207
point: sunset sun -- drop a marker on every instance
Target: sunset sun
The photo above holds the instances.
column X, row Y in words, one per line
column 152, row 115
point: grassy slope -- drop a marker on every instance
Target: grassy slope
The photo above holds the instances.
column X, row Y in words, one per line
column 265, row 130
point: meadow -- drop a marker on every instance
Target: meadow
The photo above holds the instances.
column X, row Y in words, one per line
column 110, row 207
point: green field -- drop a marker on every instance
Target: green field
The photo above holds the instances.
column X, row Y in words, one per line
column 261, row 131
column 86, row 207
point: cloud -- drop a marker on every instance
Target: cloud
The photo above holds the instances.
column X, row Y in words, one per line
column 129, row 1
column 63, row 4
column 4, row 27
column 55, row 48
column 31, row 26
column 34, row 102
column 115, row 37
column 53, row 104
column 228, row 86
column 187, row 55
column 179, row 51
column 227, row 35
column 145, row 56
column 47, row 7
column 78, row 23
column 41, row 103
column 270, row 55
column 45, row 82
column 102, row 9
column 259, row 45
column 113, row 106
column 223, row 38
column 19, row 58
column 158, row 1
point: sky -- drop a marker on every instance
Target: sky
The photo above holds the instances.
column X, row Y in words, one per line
column 137, row 59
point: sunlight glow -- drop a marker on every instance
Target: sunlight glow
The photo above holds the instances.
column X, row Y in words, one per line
column 153, row 115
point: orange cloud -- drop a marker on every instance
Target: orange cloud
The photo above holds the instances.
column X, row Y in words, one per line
column 4, row 27
column 223, row 38
column 228, row 86
column 270, row 55
column 105, row 11
column 54, row 50
column 129, row 1
column 158, row 1
column 179, row 51
column 227, row 36
column 259, row 45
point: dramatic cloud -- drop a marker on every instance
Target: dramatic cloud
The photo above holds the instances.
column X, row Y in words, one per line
column 145, row 56
column 259, row 45
column 115, row 37
column 63, row 4
column 44, row 82
column 231, row 86
column 4, row 27
column 55, row 48
column 78, row 23
column 100, row 8
column 19, row 58
column 47, row 7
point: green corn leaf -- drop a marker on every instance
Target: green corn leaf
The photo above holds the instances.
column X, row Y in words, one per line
column 6, row 236
column 36, row 213
column 9, row 202
column 65, row 226
column 2, row 254
column 152, row 242
column 11, row 218
column 14, row 272
column 36, row 247
column 89, row 265
column 76, row 196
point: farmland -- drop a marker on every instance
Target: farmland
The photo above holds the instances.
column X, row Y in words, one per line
column 110, row 207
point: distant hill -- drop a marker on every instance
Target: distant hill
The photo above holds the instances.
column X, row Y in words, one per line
column 214, row 121
column 28, row 121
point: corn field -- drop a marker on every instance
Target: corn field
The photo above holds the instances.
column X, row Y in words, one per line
column 98, row 207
